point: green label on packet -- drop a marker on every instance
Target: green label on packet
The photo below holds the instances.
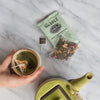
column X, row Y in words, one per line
column 54, row 26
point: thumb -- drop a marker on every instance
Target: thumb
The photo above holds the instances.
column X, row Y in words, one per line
column 8, row 58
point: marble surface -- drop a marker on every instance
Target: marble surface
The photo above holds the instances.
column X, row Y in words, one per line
column 18, row 29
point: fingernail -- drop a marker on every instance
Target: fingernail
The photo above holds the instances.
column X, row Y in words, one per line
column 13, row 51
column 41, row 68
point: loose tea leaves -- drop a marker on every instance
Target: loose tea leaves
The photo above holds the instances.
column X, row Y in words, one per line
column 64, row 49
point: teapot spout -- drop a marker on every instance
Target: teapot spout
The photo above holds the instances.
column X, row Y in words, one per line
column 78, row 83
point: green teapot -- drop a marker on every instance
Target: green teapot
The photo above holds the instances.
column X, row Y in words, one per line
column 60, row 89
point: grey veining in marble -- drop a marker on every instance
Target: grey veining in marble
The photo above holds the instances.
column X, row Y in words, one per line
column 18, row 29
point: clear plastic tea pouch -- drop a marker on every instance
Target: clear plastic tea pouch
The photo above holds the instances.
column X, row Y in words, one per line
column 55, row 29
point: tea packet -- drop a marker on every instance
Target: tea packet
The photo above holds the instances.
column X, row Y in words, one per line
column 60, row 36
column 53, row 26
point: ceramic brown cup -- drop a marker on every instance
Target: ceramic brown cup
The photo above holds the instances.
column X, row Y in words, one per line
column 26, row 55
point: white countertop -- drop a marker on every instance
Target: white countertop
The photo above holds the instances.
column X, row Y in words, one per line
column 18, row 29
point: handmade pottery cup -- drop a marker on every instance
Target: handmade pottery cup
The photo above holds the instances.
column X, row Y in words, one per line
column 27, row 56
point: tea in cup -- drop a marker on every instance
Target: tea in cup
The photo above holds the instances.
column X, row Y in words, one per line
column 25, row 62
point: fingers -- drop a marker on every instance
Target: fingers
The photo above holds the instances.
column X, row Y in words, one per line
column 8, row 58
column 34, row 76
column 16, row 81
column 19, row 81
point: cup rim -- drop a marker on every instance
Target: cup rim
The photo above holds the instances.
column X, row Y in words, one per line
column 33, row 52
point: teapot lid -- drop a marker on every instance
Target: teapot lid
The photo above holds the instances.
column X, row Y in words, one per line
column 55, row 89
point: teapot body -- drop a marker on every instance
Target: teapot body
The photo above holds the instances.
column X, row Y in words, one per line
column 55, row 89
column 61, row 89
